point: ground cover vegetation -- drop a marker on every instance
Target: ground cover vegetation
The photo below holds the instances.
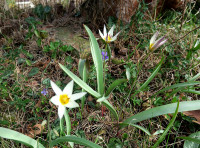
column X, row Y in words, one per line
column 134, row 84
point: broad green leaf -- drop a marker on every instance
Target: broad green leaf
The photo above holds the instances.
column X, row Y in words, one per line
column 80, row 82
column 97, row 58
column 76, row 140
column 114, row 85
column 152, row 75
column 167, row 128
column 162, row 110
column 192, row 141
column 13, row 135
column 179, row 85
column 111, row 108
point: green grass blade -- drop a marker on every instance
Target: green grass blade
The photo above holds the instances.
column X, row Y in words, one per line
column 97, row 58
column 162, row 110
column 80, row 82
column 152, row 75
column 13, row 135
column 186, row 84
column 114, row 85
column 190, row 139
column 111, row 108
column 76, row 140
column 195, row 77
column 191, row 91
column 141, row 128
column 85, row 78
column 167, row 128
column 180, row 88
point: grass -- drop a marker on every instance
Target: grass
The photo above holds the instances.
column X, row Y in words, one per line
column 29, row 58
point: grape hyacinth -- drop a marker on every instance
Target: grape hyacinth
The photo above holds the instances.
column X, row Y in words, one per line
column 104, row 55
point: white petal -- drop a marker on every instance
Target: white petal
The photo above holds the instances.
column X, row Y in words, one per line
column 55, row 100
column 77, row 96
column 61, row 111
column 72, row 104
column 110, row 33
column 153, row 38
column 104, row 31
column 101, row 35
column 69, row 88
column 163, row 42
column 159, row 42
column 115, row 37
column 55, row 88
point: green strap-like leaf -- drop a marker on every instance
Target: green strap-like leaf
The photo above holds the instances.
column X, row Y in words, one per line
column 68, row 124
column 162, row 110
column 80, row 82
column 111, row 108
column 167, row 128
column 152, row 75
column 13, row 135
column 114, row 85
column 81, row 66
column 97, row 58
column 76, row 140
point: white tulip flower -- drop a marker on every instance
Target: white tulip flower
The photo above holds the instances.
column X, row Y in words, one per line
column 108, row 37
column 65, row 98
column 154, row 44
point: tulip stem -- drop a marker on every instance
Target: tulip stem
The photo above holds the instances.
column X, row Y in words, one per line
column 61, row 127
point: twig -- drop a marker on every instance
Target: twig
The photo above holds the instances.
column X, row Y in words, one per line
column 182, row 37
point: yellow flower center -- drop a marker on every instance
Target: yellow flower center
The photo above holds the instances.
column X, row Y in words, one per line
column 64, row 99
column 150, row 47
column 107, row 39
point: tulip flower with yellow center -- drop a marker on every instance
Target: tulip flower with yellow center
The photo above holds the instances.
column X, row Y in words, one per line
column 65, row 98
column 154, row 44
column 108, row 37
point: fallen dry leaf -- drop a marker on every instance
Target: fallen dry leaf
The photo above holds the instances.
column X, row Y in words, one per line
column 194, row 114
column 35, row 130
